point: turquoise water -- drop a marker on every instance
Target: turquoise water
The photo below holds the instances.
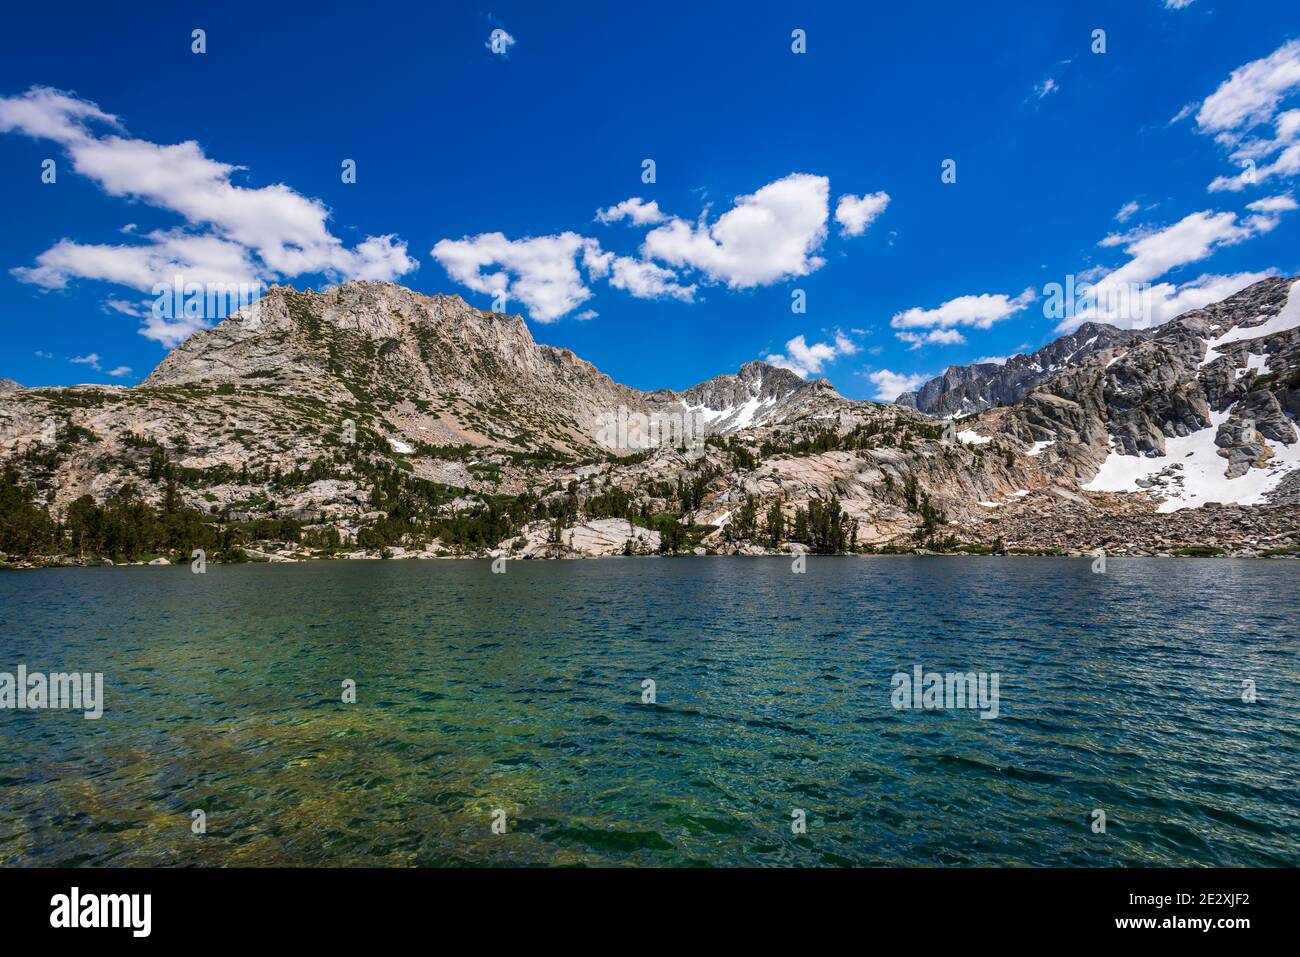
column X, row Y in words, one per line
column 522, row 692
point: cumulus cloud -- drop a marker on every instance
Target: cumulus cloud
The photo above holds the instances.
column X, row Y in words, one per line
column 806, row 360
column 636, row 210
column 645, row 280
column 541, row 272
column 231, row 233
column 203, row 259
column 91, row 360
column 977, row 311
column 890, row 385
column 769, row 235
column 856, row 213
column 120, row 372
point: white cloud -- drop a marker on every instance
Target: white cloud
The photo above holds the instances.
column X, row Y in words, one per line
column 1130, row 297
column 767, row 236
column 1273, row 204
column 890, row 385
column 1126, row 211
column 541, row 272
column 48, row 114
column 1251, row 93
column 171, row 332
column 136, row 310
column 1046, row 88
column 977, row 311
column 91, row 360
column 232, row 233
column 1170, row 300
column 856, row 213
column 202, row 259
column 1287, row 164
column 646, row 280
column 1178, row 4
column 1286, row 131
column 1194, row 237
column 1251, row 97
column 993, row 360
column 942, row 337
column 806, row 360
column 1160, row 302
column 120, row 372
column 636, row 210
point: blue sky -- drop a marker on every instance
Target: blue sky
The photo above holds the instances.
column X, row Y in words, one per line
column 1120, row 168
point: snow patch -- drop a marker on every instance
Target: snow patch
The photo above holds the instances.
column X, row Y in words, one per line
column 742, row 416
column 1202, row 472
column 1288, row 318
column 1254, row 363
column 400, row 447
column 1037, row 450
column 971, row 437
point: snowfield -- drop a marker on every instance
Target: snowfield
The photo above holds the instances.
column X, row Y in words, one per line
column 1288, row 318
column 1202, row 472
column 745, row 414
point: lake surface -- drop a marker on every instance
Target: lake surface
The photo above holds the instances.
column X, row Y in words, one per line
column 522, row 691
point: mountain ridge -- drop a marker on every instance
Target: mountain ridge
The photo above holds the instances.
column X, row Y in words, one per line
column 967, row 389
column 377, row 418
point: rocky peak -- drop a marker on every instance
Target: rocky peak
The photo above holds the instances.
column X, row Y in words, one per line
column 9, row 385
column 757, row 393
column 963, row 390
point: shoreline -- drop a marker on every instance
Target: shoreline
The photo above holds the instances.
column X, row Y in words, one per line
column 420, row 557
